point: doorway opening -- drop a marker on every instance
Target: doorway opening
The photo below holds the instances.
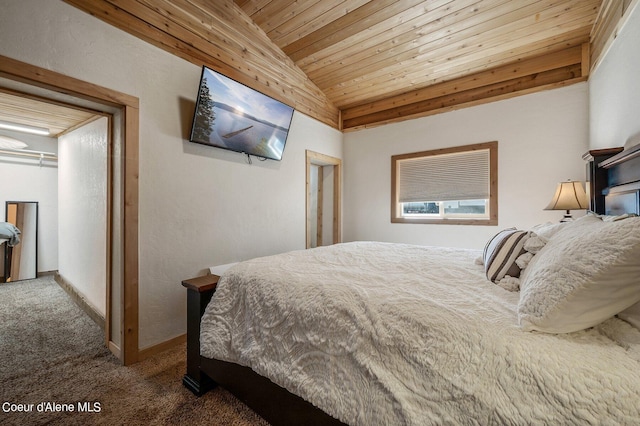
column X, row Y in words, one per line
column 121, row 331
column 323, row 200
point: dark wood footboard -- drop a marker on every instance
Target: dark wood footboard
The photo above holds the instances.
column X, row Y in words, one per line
column 274, row 403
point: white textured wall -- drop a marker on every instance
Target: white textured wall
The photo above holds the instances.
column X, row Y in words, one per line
column 199, row 206
column 541, row 139
column 24, row 180
column 614, row 90
column 82, row 211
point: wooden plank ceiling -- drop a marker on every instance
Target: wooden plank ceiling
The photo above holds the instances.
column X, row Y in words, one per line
column 359, row 63
column 378, row 60
column 19, row 108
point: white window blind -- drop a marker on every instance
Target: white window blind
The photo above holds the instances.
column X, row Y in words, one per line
column 445, row 177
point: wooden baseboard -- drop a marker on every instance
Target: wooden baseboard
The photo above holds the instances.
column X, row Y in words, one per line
column 80, row 300
column 115, row 349
column 160, row 347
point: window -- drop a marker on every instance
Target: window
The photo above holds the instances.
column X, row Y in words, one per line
column 453, row 186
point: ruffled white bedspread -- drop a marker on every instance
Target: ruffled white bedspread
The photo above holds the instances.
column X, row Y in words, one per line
column 391, row 334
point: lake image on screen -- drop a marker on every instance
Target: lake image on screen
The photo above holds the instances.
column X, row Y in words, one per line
column 232, row 116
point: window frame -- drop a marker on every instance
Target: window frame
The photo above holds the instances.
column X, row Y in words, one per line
column 492, row 220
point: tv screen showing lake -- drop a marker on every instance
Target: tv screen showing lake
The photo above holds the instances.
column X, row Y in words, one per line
column 232, row 116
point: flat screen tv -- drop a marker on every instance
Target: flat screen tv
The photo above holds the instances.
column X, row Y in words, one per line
column 233, row 116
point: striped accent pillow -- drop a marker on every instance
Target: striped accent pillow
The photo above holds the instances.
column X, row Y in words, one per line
column 501, row 252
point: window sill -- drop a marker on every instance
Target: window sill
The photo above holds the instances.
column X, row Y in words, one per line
column 447, row 221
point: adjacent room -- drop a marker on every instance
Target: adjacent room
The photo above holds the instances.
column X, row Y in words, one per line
column 377, row 207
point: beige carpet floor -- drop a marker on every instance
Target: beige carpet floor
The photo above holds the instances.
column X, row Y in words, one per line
column 52, row 353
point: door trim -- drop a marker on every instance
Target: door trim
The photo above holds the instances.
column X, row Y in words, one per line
column 318, row 159
column 129, row 108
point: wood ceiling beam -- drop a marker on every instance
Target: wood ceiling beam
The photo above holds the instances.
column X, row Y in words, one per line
column 501, row 74
column 460, row 100
column 495, row 84
column 400, row 81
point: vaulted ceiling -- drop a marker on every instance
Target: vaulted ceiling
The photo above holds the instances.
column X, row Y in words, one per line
column 374, row 57
column 359, row 63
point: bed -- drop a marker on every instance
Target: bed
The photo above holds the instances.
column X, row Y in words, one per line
column 369, row 333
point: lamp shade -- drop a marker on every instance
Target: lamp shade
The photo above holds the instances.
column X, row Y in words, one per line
column 569, row 195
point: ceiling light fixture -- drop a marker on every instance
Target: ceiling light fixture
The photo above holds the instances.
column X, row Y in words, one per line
column 24, row 128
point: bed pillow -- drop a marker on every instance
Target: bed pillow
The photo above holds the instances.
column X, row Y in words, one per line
column 612, row 218
column 540, row 235
column 547, row 230
column 587, row 273
column 7, row 142
column 534, row 244
column 501, row 252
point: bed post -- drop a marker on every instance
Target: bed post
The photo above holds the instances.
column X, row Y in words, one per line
column 199, row 293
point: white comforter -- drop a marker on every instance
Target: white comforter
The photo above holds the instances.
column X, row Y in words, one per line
column 390, row 334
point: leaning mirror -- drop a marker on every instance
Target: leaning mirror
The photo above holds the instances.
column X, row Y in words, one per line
column 21, row 260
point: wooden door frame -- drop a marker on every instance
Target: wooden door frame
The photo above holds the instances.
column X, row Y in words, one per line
column 129, row 107
column 324, row 160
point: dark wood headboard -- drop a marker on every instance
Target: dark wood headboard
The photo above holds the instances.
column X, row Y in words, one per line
column 622, row 191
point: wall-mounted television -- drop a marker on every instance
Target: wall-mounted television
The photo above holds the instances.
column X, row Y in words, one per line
column 233, row 116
